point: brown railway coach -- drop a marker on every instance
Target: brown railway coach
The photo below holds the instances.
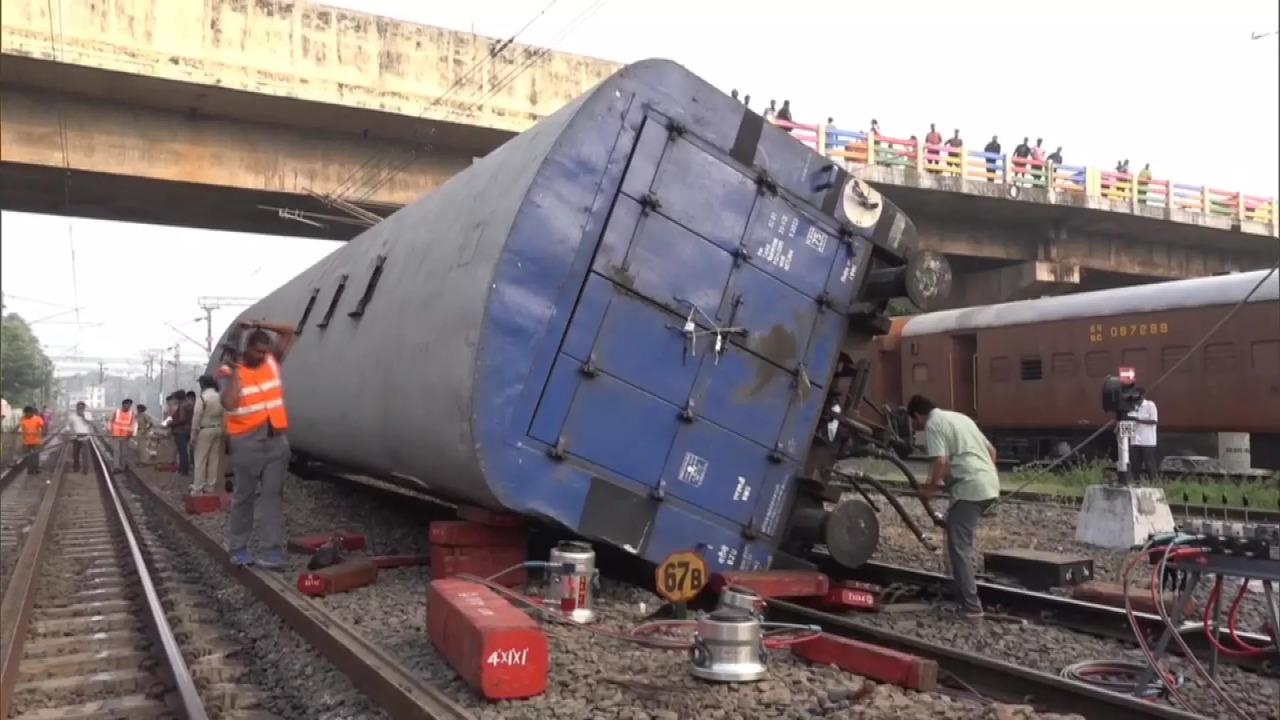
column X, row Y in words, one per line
column 1031, row 372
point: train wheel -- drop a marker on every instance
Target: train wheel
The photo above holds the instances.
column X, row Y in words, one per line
column 852, row 533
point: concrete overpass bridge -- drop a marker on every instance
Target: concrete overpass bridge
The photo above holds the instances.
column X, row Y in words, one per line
column 212, row 113
column 229, row 114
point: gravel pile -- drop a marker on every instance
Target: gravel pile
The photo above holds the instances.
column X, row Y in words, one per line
column 298, row 683
column 592, row 677
column 1049, row 528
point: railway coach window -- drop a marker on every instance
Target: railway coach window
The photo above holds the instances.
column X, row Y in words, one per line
column 1097, row 363
column 1031, row 368
column 1219, row 357
column 1000, row 369
column 1064, row 366
column 1170, row 356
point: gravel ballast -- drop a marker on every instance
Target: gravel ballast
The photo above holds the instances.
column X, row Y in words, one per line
column 297, row 682
column 598, row 677
column 1050, row 528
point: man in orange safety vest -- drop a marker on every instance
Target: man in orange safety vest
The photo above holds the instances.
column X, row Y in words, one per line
column 123, row 426
column 251, row 387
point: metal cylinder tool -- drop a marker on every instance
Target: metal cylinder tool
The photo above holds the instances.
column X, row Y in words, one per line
column 728, row 646
column 739, row 598
column 572, row 569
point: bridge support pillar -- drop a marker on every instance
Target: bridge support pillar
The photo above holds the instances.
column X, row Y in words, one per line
column 1020, row 281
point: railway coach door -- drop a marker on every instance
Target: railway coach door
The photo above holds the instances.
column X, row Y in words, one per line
column 964, row 374
column 694, row 363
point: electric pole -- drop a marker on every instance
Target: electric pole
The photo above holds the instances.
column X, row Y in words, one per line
column 162, row 352
column 209, row 304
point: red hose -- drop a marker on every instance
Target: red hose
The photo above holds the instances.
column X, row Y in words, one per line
column 1141, row 637
column 1209, row 607
column 1231, row 621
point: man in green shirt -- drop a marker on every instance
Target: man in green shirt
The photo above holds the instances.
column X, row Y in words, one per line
column 965, row 460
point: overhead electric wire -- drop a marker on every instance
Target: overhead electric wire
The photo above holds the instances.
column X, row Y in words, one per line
column 57, row 44
column 532, row 55
column 1042, row 472
column 342, row 191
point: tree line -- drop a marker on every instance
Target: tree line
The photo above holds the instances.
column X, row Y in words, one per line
column 26, row 373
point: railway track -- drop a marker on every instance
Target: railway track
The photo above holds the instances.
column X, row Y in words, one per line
column 1084, row 617
column 990, row 678
column 397, row 690
column 95, row 623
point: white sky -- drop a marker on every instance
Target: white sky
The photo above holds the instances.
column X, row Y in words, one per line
column 1178, row 85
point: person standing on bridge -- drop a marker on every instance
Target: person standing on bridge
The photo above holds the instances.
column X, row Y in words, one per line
column 124, row 425
column 33, row 429
column 965, row 461
column 252, row 393
column 931, row 141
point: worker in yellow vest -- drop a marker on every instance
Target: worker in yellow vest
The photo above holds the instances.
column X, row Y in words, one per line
column 123, row 426
column 252, row 393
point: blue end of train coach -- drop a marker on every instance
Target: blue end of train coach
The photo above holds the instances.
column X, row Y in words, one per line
column 623, row 321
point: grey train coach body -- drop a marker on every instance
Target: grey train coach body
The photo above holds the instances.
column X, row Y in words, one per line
column 621, row 321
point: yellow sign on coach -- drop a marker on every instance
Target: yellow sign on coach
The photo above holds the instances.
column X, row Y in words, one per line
column 1098, row 332
column 681, row 577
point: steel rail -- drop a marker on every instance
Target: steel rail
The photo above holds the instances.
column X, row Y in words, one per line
column 399, row 691
column 192, row 706
column 992, row 678
column 20, row 594
column 1077, row 615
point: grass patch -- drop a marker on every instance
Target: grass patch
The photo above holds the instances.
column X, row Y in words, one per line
column 1183, row 490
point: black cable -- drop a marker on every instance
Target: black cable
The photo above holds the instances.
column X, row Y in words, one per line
column 1186, row 356
column 493, row 56
column 56, row 45
column 532, row 55
column 346, row 190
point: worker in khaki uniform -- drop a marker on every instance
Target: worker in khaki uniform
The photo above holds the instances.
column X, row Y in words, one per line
column 124, row 426
column 252, row 393
column 207, row 437
column 965, row 461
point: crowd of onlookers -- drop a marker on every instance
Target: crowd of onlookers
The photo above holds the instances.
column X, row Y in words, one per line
column 1026, row 162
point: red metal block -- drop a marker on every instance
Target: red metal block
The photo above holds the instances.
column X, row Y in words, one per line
column 481, row 562
column 495, row 648
column 880, row 664
column 203, row 504
column 346, row 575
column 1112, row 595
column 775, row 583
column 460, row 533
column 846, row 595
column 489, row 517
column 225, row 499
column 309, row 544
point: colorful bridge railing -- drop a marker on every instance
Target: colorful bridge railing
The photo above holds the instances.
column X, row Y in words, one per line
column 865, row 149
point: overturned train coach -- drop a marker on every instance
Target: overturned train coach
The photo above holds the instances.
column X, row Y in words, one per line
column 631, row 320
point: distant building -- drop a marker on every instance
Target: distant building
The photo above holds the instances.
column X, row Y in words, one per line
column 94, row 397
